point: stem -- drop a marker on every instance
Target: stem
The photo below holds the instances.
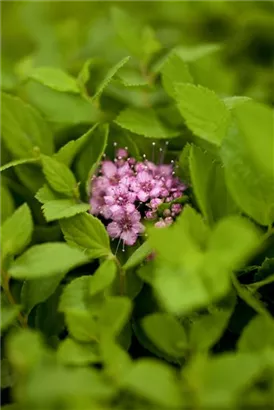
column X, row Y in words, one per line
column 122, row 276
column 5, row 284
column 254, row 286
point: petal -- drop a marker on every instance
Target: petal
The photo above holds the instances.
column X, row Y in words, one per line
column 142, row 196
column 130, row 209
column 109, row 169
column 129, row 237
column 143, row 177
column 114, row 229
column 109, row 200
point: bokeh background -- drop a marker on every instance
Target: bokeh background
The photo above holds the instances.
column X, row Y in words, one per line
column 65, row 34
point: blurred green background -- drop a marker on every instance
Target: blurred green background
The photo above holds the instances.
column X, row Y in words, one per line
column 66, row 34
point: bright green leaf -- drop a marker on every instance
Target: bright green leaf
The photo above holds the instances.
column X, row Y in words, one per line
column 74, row 295
column 17, row 162
column 63, row 208
column 114, row 315
column 23, row 129
column 144, row 122
column 138, row 256
column 257, row 335
column 205, row 114
column 8, row 315
column 59, row 176
column 54, row 78
column 46, row 260
column 103, row 277
column 16, row 231
column 166, row 333
column 88, row 233
column 71, row 352
column 7, row 203
column 155, row 381
column 174, row 71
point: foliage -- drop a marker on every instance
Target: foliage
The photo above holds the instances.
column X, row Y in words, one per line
column 184, row 318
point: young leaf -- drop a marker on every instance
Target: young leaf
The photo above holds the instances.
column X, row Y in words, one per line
column 257, row 335
column 208, row 181
column 138, row 256
column 62, row 208
column 250, row 185
column 154, row 381
column 206, row 115
column 47, row 259
column 59, row 176
column 16, row 232
column 111, row 73
column 55, row 78
column 88, row 233
column 103, row 277
column 166, row 333
column 23, row 129
column 38, row 290
column 144, row 122
column 74, row 353
column 68, row 152
column 174, row 71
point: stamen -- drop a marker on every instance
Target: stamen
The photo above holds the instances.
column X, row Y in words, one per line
column 153, row 151
column 115, row 144
column 117, row 247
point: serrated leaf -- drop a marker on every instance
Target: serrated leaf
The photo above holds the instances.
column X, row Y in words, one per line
column 251, row 186
column 17, row 162
column 16, row 232
column 257, row 335
column 232, row 102
column 138, row 256
column 144, row 122
column 55, row 78
column 205, row 114
column 46, row 194
column 154, row 381
column 193, row 53
column 208, row 181
column 59, row 176
column 110, row 74
column 37, row 291
column 166, row 333
column 174, row 71
column 68, row 152
column 74, row 353
column 63, row 208
column 88, row 233
column 23, row 129
column 103, row 277
column 46, row 260
column 131, row 78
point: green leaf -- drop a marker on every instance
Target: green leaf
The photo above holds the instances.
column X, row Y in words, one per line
column 166, row 333
column 46, row 260
column 232, row 102
column 74, row 353
column 61, row 109
column 74, row 295
column 131, row 78
column 174, row 71
column 250, row 185
column 88, row 233
column 208, row 181
column 256, row 125
column 144, row 122
column 114, row 315
column 7, row 202
column 110, row 74
column 206, row 330
column 184, row 171
column 82, row 325
column 117, row 361
column 17, row 162
column 63, row 208
column 84, row 75
column 205, row 114
column 89, row 158
column 68, row 152
column 37, row 291
column 154, row 381
column 23, row 129
column 222, row 379
column 59, row 176
column 192, row 53
column 138, row 256
column 103, row 277
column 55, row 78
column 16, row 231
column 8, row 315
column 258, row 335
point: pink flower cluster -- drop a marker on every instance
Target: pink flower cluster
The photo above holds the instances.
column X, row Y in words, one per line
column 126, row 190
